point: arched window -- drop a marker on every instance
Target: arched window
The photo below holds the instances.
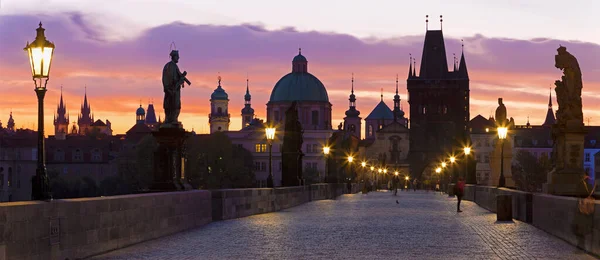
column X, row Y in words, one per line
column 424, row 111
column 219, row 110
column 352, row 128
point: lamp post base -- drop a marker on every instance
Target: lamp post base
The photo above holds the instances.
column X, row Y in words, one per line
column 270, row 181
column 40, row 186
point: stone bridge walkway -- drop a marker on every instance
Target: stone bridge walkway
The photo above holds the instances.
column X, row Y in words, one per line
column 422, row 226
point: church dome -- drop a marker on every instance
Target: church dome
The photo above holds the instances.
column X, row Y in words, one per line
column 219, row 93
column 140, row 111
column 299, row 85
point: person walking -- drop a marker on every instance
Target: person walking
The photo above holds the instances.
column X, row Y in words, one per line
column 459, row 191
column 437, row 186
column 396, row 182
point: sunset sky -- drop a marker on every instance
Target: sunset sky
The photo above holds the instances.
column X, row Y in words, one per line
column 118, row 48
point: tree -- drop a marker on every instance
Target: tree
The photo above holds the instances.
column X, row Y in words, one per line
column 529, row 173
column 215, row 163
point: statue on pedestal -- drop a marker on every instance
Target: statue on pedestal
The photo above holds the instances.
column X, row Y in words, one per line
column 173, row 80
column 501, row 114
column 169, row 158
column 567, row 177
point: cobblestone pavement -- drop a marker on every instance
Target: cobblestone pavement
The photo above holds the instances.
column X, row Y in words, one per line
column 422, row 226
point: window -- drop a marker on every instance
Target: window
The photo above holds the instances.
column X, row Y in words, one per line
column 260, row 148
column 96, row 155
column 77, row 155
column 370, row 130
column 59, row 155
column 487, row 143
column 444, row 110
column 380, row 126
column 424, row 111
column 263, row 166
column 315, row 148
column 219, row 110
column 352, row 128
column 587, row 158
column 308, row 148
column 276, row 119
column 314, row 165
column 486, row 158
column 593, row 142
column 315, row 117
column 257, row 166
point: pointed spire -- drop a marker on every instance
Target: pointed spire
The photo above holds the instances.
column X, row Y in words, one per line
column 414, row 67
column 462, row 68
column 454, row 56
column 352, row 91
column 426, row 22
column 396, row 84
column 550, row 99
column 381, row 94
column 441, row 21
column 299, row 51
column 410, row 67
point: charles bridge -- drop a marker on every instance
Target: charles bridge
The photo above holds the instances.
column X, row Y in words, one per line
column 319, row 221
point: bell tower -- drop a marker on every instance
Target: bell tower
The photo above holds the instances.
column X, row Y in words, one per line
column 247, row 111
column 219, row 117
column 352, row 121
column 61, row 120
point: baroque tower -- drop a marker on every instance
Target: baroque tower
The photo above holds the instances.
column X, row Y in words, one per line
column 61, row 120
column 439, row 105
column 86, row 118
column 352, row 121
column 247, row 111
column 219, row 116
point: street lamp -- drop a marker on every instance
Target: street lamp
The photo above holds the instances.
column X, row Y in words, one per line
column 443, row 164
column 438, row 170
column 502, row 133
column 40, row 53
column 452, row 161
column 467, row 151
column 270, row 133
column 396, row 173
column 326, row 153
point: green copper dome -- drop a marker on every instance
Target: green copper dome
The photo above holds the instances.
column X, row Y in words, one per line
column 298, row 86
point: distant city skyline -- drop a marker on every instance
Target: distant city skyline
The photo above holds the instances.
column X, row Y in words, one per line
column 119, row 57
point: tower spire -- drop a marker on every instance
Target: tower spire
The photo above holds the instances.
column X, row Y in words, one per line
column 426, row 22
column 441, row 21
column 454, row 57
column 550, row 99
column 352, row 91
column 396, row 84
column 414, row 67
column 410, row 68
column 462, row 68
column 382, row 94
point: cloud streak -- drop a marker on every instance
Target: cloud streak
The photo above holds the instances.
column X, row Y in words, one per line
column 118, row 73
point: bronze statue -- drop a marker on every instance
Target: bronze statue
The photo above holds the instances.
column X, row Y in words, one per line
column 501, row 119
column 291, row 150
column 173, row 80
column 568, row 90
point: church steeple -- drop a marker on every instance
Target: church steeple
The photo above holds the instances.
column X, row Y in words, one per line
column 11, row 123
column 352, row 121
column 61, row 119
column 550, row 119
column 247, row 111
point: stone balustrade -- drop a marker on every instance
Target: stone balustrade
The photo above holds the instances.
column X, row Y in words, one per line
column 79, row 228
column 568, row 218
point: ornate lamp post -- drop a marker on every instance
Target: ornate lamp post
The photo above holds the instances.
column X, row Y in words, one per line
column 350, row 160
column 40, row 53
column 452, row 161
column 326, row 150
column 467, row 151
column 270, row 133
column 363, row 164
column 502, row 133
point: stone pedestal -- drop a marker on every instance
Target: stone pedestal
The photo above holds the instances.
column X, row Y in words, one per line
column 504, row 207
column 496, row 160
column 567, row 177
column 169, row 160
